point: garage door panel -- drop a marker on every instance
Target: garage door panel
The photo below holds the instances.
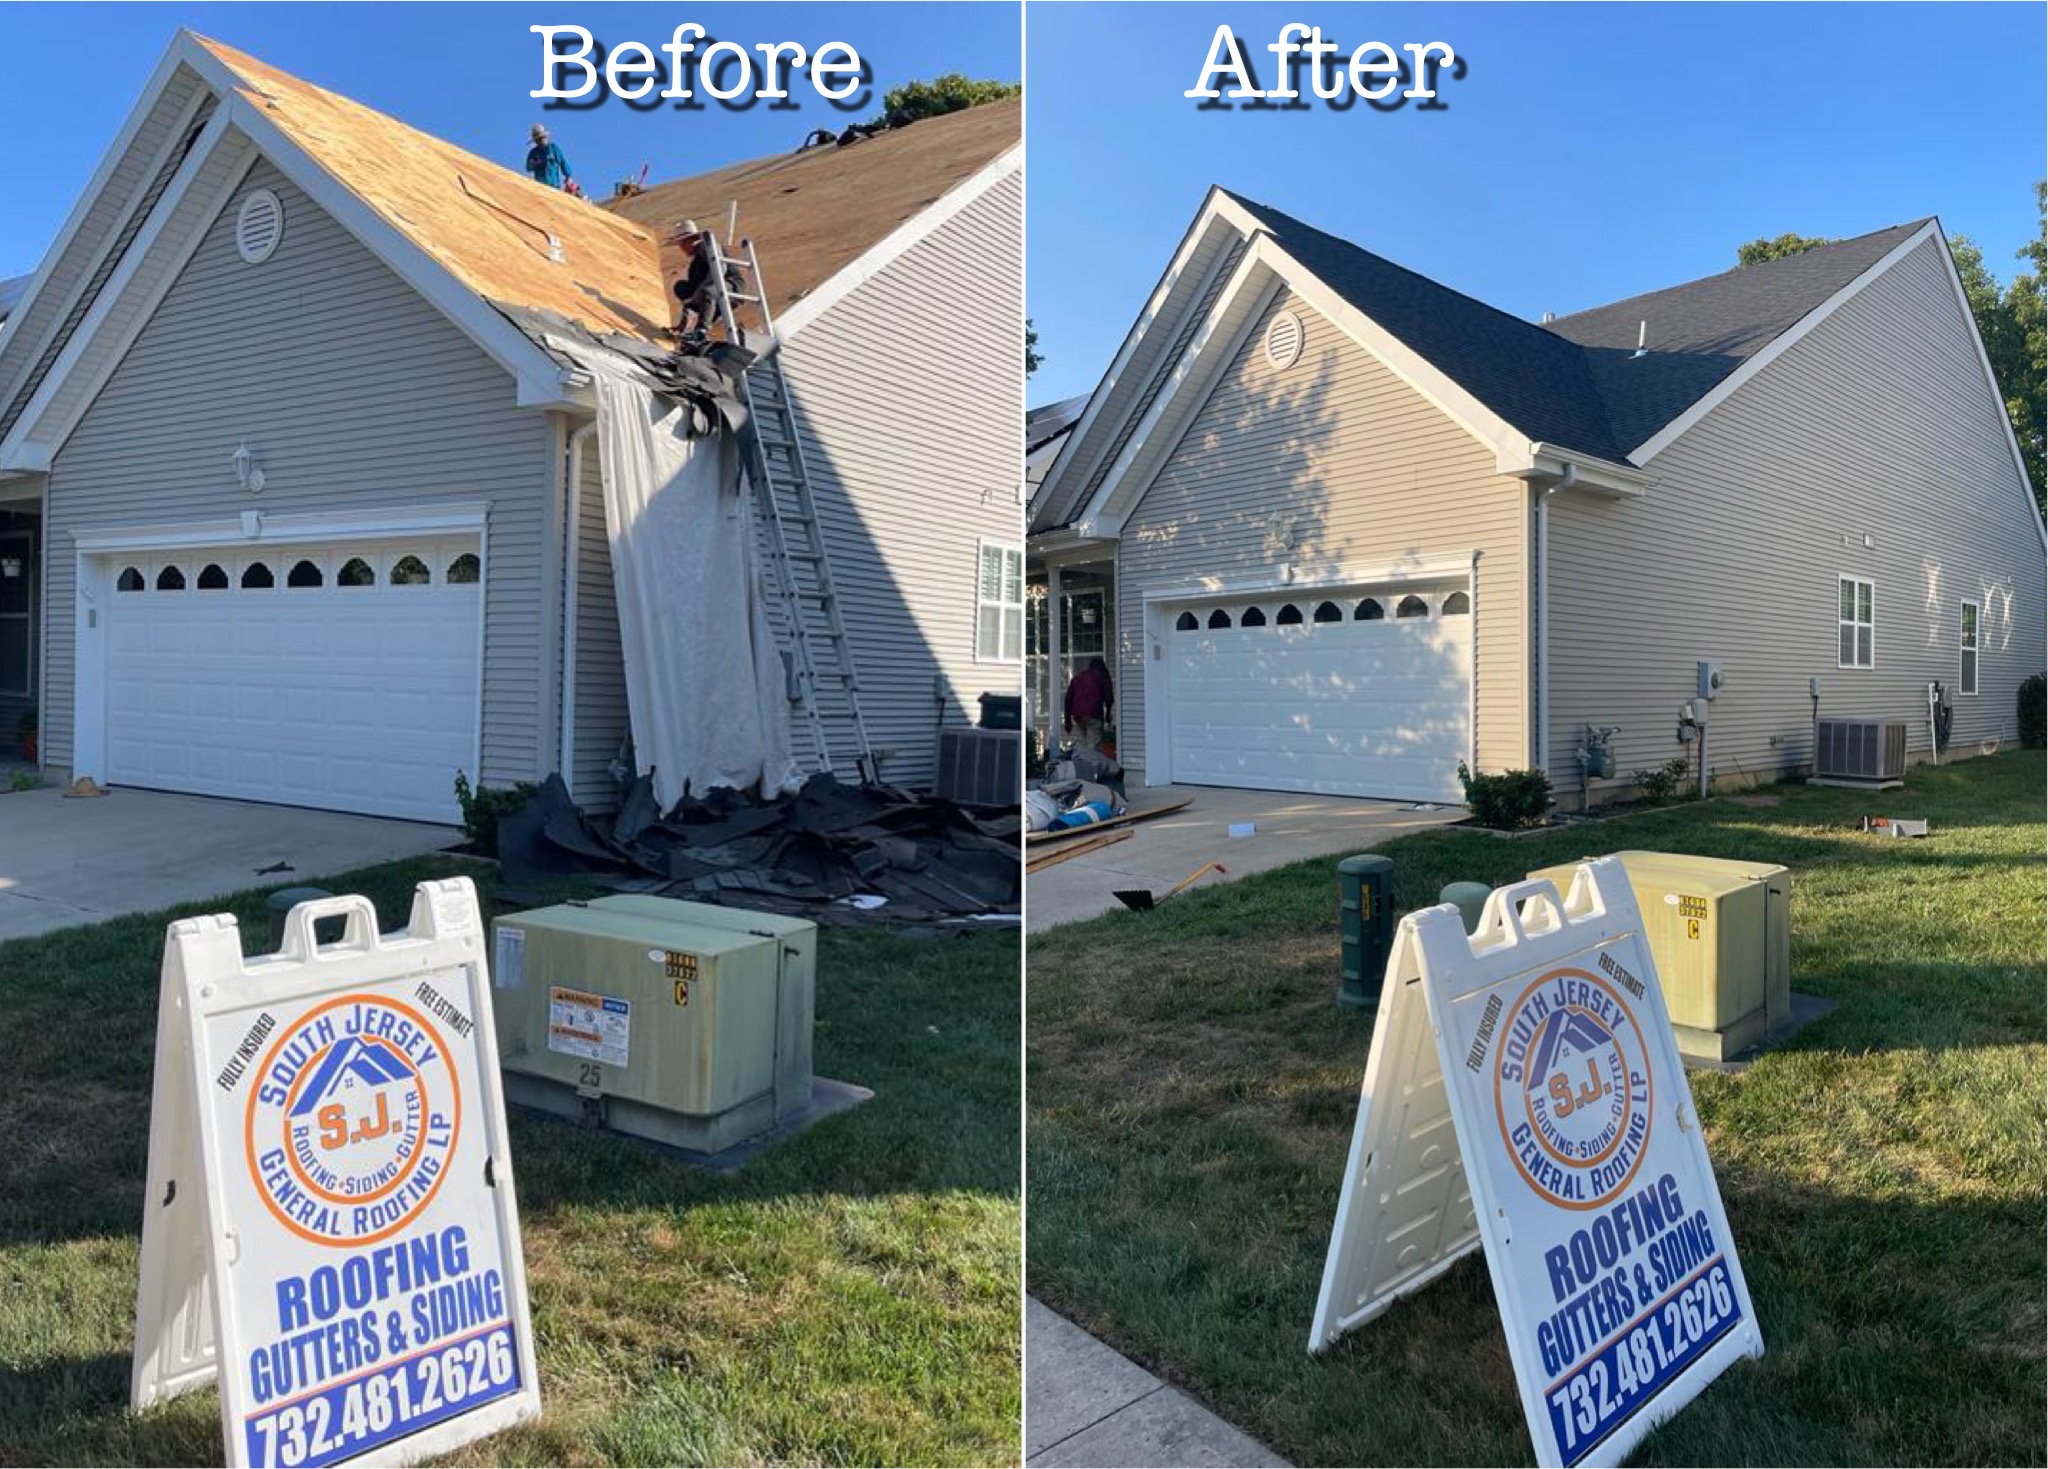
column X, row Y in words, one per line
column 357, row 698
column 1366, row 708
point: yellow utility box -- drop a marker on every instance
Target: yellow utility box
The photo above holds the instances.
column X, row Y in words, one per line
column 685, row 1023
column 1721, row 933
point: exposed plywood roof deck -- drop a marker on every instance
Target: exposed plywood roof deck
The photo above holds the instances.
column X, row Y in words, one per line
column 487, row 225
column 811, row 214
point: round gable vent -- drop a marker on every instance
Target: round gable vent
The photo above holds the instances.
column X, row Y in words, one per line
column 1283, row 340
column 259, row 226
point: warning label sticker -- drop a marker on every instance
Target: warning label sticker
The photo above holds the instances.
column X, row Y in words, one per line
column 594, row 1027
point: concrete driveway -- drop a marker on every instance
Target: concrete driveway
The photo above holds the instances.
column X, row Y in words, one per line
column 66, row 862
column 1166, row 849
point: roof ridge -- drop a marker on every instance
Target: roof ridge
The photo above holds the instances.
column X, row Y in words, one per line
column 1763, row 265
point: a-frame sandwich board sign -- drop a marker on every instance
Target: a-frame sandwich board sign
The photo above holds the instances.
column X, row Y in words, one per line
column 330, row 1227
column 1524, row 1094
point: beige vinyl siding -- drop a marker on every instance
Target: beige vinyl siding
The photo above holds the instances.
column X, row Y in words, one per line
column 909, row 395
column 357, row 395
column 1877, row 423
column 601, row 725
column 26, row 333
column 1373, row 475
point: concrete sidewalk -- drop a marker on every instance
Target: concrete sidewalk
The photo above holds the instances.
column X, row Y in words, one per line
column 1162, row 851
column 67, row 862
column 1088, row 1407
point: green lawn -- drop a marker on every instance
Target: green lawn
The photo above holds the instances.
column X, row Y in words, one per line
column 1192, row 1085
column 850, row 1297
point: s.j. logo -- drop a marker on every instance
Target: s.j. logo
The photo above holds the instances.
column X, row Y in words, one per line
column 1572, row 1089
column 353, row 1120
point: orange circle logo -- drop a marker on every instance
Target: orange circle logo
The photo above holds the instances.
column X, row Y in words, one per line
column 353, row 1120
column 1571, row 1088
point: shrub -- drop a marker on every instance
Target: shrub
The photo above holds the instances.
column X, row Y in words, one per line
column 1661, row 784
column 2034, row 712
column 483, row 807
column 1508, row 801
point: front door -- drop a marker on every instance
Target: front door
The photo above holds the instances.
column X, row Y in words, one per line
column 17, row 614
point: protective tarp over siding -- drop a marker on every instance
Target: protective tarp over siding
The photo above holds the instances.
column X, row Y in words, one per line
column 704, row 681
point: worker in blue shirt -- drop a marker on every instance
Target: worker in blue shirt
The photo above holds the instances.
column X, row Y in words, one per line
column 545, row 162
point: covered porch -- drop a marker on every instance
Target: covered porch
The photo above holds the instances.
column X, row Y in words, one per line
column 1069, row 618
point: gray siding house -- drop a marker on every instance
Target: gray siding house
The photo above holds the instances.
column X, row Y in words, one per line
column 293, row 471
column 1357, row 527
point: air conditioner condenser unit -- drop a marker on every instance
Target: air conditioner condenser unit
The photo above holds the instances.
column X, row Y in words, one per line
column 1862, row 754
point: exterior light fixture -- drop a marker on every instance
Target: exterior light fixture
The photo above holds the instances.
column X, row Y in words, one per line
column 248, row 473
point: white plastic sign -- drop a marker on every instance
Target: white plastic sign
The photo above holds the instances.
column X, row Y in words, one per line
column 330, row 1227
column 1524, row 1093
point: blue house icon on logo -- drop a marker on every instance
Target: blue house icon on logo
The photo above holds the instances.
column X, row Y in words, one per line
column 352, row 1060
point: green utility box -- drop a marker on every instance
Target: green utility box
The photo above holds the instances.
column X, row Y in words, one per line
column 1721, row 933
column 1365, row 902
column 684, row 1023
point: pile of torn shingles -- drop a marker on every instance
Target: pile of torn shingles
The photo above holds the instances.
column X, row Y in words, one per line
column 826, row 852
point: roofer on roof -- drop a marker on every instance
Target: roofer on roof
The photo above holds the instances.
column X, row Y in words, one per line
column 545, row 162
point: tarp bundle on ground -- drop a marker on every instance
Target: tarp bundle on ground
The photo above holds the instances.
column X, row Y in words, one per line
column 805, row 852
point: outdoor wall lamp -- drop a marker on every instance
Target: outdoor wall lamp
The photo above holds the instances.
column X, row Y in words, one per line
column 248, row 473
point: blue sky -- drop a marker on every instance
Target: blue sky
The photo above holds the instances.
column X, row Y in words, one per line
column 1590, row 153
column 461, row 71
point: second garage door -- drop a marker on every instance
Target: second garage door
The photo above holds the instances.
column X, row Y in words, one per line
column 1367, row 693
column 342, row 676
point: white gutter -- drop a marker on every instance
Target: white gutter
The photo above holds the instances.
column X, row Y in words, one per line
column 572, row 556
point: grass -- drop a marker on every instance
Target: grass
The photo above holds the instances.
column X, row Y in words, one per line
column 1192, row 1085
column 851, row 1296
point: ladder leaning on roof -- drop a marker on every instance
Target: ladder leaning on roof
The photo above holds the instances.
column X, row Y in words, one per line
column 827, row 687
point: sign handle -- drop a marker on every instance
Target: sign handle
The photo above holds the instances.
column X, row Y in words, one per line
column 300, row 940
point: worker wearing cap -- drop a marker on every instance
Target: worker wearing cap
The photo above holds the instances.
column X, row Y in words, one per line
column 545, row 162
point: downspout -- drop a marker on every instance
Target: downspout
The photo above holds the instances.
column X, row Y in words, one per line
column 1472, row 671
column 1541, row 658
column 572, row 541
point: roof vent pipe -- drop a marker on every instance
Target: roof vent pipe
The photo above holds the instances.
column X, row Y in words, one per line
column 1549, row 317
column 1642, row 338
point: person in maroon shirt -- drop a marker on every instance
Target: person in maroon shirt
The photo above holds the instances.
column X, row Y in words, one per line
column 1089, row 698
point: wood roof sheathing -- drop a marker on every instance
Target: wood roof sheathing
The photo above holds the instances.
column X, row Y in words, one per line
column 811, row 214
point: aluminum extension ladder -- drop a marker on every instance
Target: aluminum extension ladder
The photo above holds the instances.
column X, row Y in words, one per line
column 827, row 687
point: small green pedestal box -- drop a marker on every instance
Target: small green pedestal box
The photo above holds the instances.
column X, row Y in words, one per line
column 1365, row 888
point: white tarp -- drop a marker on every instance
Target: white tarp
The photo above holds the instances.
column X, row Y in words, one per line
column 704, row 681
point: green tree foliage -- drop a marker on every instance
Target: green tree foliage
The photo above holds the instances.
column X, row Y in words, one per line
column 2009, row 319
column 949, row 93
column 1759, row 250
column 1033, row 359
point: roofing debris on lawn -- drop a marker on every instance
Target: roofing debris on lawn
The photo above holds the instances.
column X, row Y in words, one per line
column 824, row 853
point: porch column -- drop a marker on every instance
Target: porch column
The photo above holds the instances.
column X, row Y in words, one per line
column 1055, row 655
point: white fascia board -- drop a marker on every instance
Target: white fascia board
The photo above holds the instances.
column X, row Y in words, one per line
column 1602, row 478
column 17, row 457
column 1644, row 452
column 539, row 377
column 1218, row 206
column 2019, row 460
column 1439, row 567
column 107, row 312
column 884, row 252
column 389, row 523
column 166, row 67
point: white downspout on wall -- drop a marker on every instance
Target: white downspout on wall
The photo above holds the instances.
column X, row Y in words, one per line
column 1541, row 650
column 1472, row 670
column 1055, row 654
column 572, row 542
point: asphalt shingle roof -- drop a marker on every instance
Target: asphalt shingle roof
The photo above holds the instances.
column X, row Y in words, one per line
column 1576, row 381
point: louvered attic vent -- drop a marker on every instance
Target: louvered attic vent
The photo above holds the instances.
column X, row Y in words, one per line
column 259, row 226
column 1283, row 340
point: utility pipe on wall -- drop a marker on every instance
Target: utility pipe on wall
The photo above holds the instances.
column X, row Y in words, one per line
column 1541, row 658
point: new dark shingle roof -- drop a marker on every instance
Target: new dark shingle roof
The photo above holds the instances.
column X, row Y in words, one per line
column 1576, row 381
column 1044, row 424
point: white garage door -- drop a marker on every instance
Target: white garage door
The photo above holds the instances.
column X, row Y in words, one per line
column 1361, row 693
column 342, row 676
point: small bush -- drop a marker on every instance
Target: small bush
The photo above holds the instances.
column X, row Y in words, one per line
column 1661, row 784
column 2034, row 712
column 482, row 808
column 1509, row 801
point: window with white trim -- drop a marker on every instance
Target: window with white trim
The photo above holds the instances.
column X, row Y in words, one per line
column 1856, row 619
column 1966, row 672
column 999, row 604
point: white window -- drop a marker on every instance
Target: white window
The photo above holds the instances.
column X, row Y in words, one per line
column 1856, row 612
column 1966, row 678
column 999, row 605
